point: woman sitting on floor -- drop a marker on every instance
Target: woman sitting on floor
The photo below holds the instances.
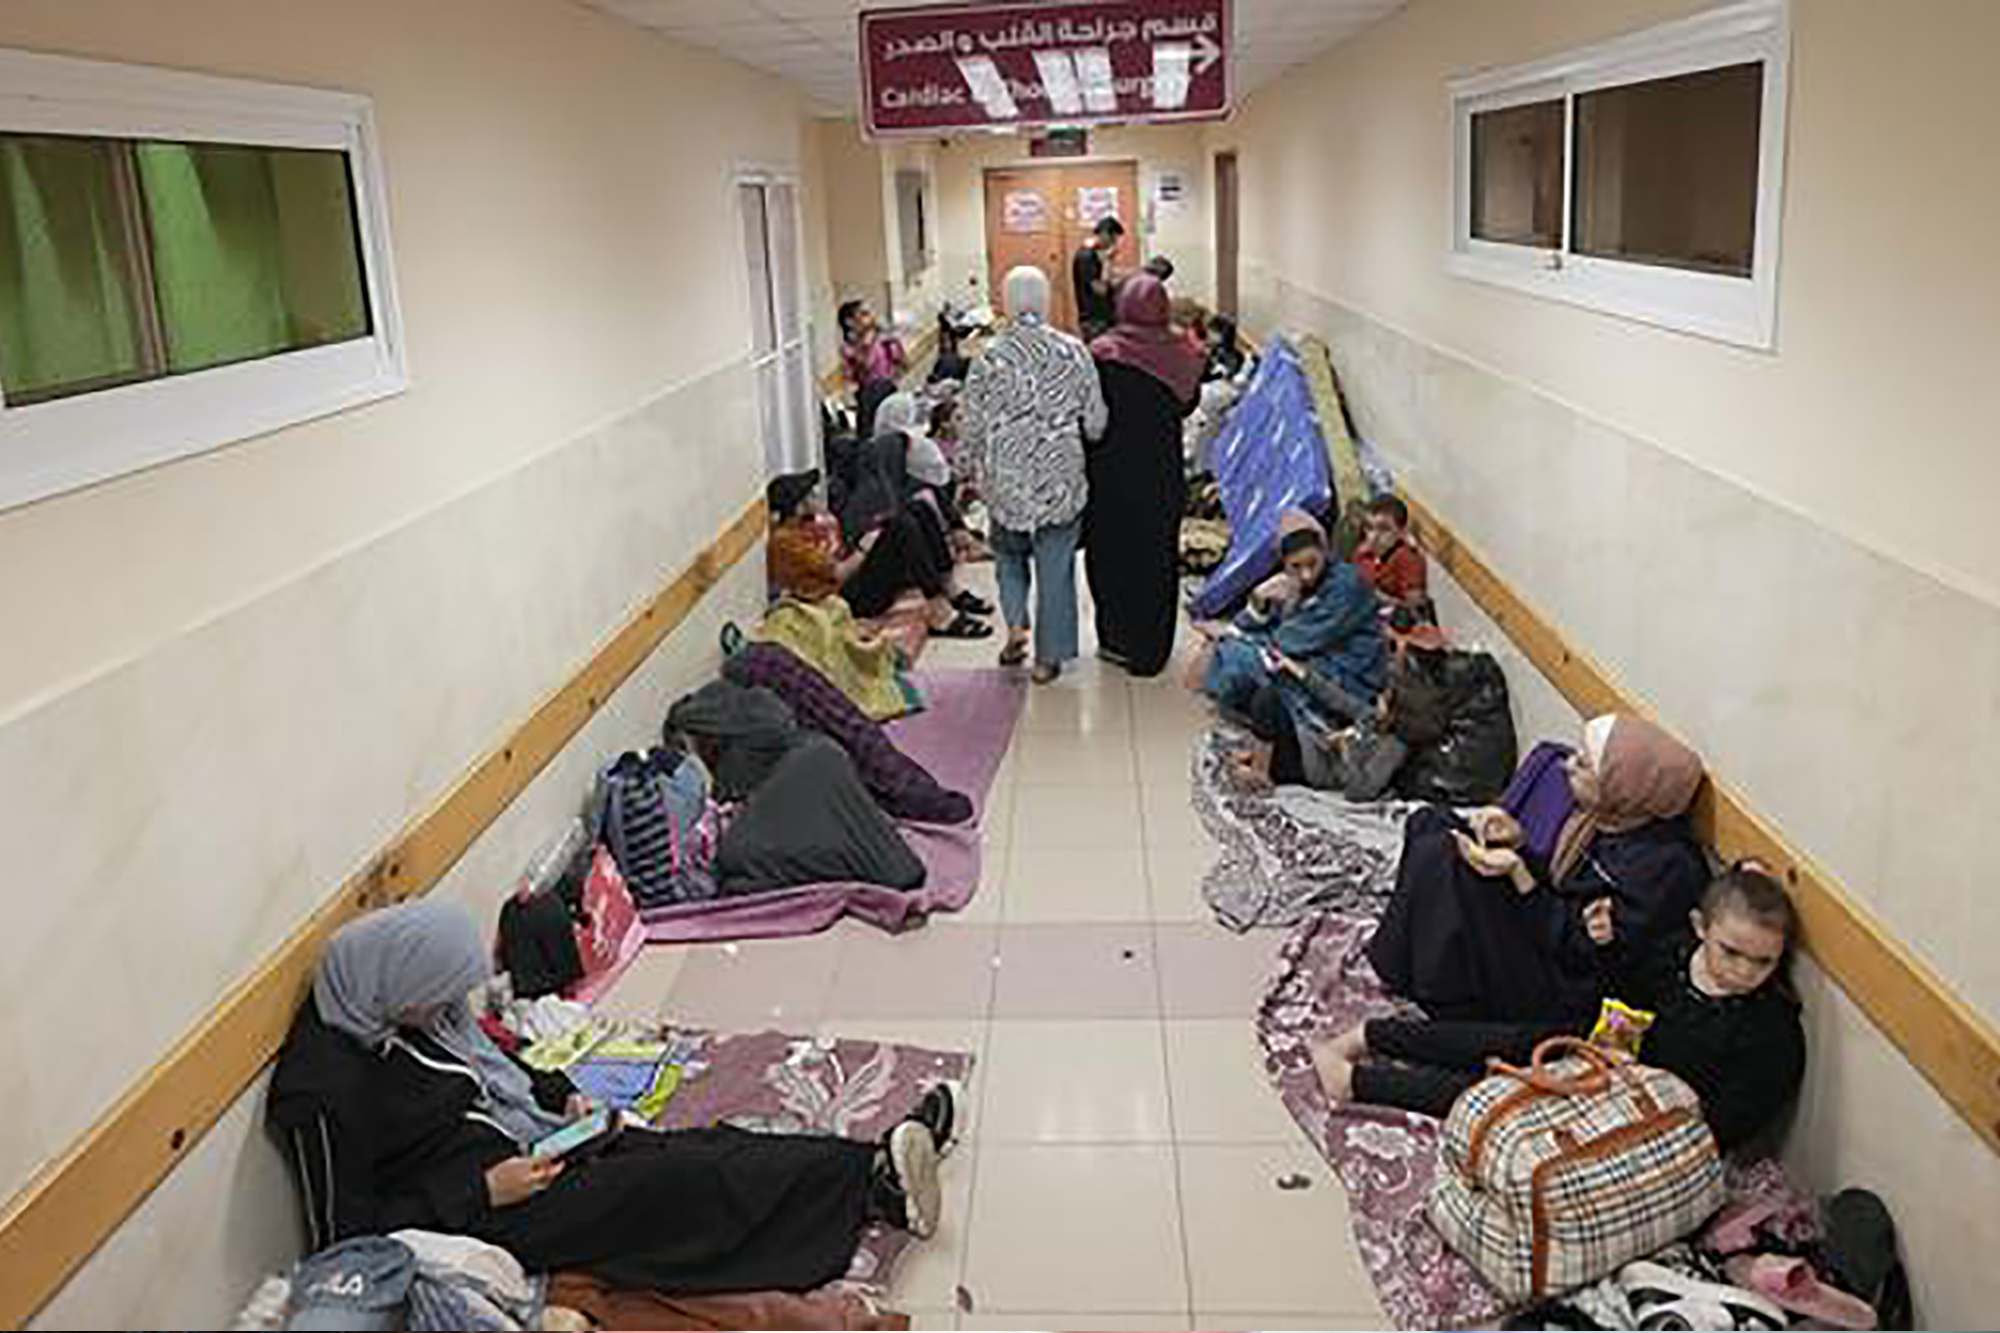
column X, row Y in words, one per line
column 1359, row 761
column 891, row 555
column 398, row 1111
column 1481, row 928
column 896, row 541
column 1319, row 614
column 1723, row 1018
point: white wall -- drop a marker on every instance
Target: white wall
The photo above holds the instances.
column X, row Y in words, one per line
column 1788, row 554
column 227, row 681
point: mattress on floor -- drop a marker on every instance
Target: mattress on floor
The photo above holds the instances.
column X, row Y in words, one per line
column 1270, row 457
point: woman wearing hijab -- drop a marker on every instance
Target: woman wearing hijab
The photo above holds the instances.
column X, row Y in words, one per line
column 397, row 1111
column 1480, row 928
column 1032, row 399
column 896, row 541
column 1320, row 614
column 1151, row 378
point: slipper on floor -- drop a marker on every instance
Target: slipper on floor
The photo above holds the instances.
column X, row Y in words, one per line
column 964, row 626
column 972, row 604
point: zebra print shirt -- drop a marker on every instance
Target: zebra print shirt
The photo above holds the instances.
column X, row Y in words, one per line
column 1032, row 399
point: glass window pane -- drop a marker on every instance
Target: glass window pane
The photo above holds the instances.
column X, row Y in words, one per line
column 1517, row 175
column 70, row 313
column 1667, row 170
column 255, row 250
column 763, row 327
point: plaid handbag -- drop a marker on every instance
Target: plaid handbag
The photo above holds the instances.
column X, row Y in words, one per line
column 1558, row 1174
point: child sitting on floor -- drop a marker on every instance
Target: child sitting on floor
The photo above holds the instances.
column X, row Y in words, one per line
column 1391, row 562
column 1723, row 1018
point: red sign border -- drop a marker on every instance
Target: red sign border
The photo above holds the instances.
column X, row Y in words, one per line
column 1088, row 119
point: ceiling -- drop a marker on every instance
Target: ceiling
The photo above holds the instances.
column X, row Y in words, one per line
column 812, row 43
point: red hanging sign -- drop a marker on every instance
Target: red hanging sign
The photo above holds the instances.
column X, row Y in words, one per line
column 974, row 66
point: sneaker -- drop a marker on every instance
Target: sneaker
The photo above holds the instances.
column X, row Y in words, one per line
column 913, row 1157
column 938, row 1112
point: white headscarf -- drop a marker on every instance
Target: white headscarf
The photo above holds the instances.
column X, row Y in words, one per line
column 1027, row 293
column 902, row 412
column 425, row 955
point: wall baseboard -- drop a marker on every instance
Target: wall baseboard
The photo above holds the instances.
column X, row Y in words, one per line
column 1944, row 1038
column 75, row 1203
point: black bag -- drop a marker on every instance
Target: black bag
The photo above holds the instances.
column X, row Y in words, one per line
column 1471, row 763
column 538, row 945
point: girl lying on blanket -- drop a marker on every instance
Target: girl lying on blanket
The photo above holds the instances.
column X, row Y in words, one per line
column 1714, row 1008
column 397, row 1111
column 1479, row 927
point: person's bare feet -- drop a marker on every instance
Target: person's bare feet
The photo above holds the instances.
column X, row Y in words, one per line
column 1352, row 1045
column 1246, row 771
column 1336, row 1075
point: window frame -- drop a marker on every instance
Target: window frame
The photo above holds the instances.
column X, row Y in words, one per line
column 52, row 447
column 1740, row 311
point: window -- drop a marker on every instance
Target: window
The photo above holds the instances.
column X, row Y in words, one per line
column 1641, row 177
column 780, row 341
column 913, row 224
column 184, row 262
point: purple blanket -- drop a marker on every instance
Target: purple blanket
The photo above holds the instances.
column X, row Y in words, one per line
column 961, row 737
column 1387, row 1158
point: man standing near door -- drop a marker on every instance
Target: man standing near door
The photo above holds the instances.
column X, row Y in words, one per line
column 1090, row 274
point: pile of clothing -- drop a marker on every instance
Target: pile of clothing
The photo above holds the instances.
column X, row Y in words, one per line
column 415, row 1280
column 1773, row 1263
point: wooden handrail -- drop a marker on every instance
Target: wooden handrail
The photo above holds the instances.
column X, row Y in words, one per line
column 1943, row 1037
column 74, row 1204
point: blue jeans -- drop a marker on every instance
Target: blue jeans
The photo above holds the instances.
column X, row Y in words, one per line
column 1052, row 573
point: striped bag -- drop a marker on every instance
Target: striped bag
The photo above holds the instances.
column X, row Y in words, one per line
column 1558, row 1174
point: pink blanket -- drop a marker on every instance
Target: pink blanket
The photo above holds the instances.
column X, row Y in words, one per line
column 961, row 737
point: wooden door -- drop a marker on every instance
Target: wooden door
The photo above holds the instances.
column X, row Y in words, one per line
column 1228, row 236
column 1024, row 226
column 1043, row 215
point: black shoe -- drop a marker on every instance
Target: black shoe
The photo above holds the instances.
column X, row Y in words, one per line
column 938, row 1112
column 972, row 604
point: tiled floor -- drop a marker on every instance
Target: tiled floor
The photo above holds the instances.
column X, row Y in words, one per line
column 1123, row 1148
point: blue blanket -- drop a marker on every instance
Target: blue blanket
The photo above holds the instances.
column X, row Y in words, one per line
column 1270, row 457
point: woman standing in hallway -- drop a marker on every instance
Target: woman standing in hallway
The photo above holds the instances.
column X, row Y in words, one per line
column 1151, row 378
column 1032, row 399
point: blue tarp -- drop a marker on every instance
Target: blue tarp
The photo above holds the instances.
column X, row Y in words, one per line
column 1270, row 457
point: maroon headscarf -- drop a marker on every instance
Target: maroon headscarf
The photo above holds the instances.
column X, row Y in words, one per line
column 1145, row 338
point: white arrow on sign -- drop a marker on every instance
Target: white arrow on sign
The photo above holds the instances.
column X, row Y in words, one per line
column 1206, row 53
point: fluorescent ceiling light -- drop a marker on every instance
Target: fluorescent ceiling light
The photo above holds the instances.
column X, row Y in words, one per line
column 1093, row 68
column 1059, row 82
column 988, row 88
column 1171, row 78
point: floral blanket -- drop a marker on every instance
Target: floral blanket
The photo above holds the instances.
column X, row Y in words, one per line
column 1293, row 853
column 1385, row 1158
column 779, row 1084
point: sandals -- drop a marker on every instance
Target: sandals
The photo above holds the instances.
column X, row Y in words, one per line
column 964, row 626
column 972, row 604
column 1014, row 654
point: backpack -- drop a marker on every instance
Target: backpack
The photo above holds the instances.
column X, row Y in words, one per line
column 654, row 813
column 1558, row 1175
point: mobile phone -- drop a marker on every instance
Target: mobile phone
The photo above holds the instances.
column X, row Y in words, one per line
column 589, row 1134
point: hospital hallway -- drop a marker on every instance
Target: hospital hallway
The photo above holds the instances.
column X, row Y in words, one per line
column 1126, row 1165
column 999, row 664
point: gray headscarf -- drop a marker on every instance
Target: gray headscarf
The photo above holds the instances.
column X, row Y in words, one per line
column 425, row 955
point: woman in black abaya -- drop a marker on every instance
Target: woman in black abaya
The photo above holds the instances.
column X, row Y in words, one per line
column 1138, row 489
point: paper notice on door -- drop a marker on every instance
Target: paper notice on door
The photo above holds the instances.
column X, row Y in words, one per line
column 1094, row 203
column 1025, row 212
